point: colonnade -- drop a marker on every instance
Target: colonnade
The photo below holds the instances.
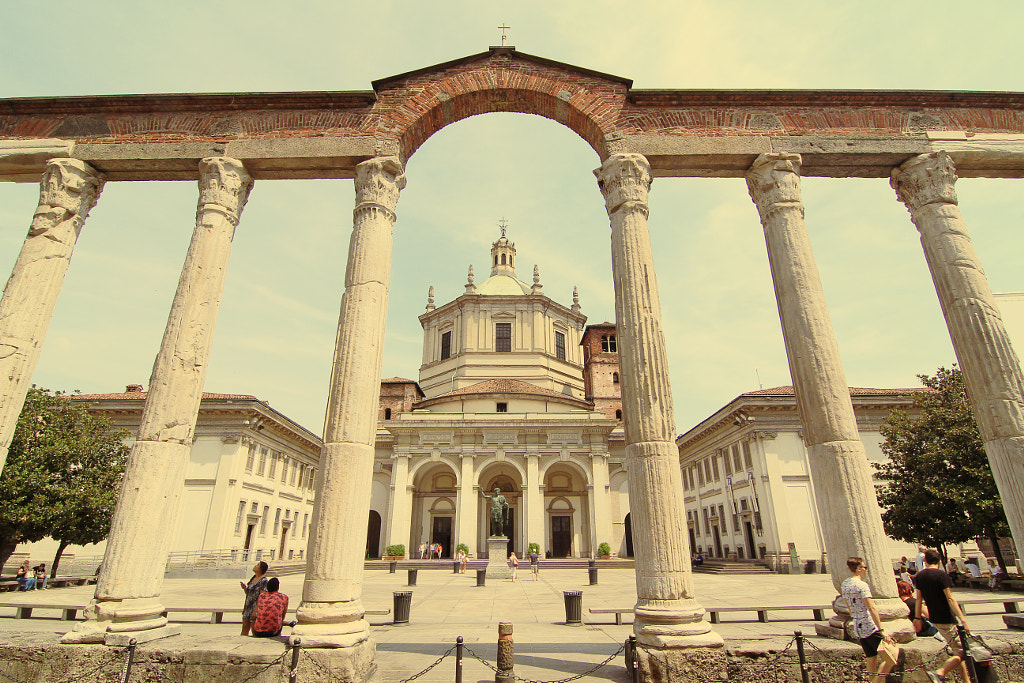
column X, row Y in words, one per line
column 668, row 614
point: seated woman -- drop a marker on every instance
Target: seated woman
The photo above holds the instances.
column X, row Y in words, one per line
column 26, row 577
column 270, row 611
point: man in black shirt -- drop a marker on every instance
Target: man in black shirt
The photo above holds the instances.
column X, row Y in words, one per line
column 936, row 589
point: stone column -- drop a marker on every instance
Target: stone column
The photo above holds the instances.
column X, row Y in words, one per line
column 534, row 502
column 127, row 603
column 331, row 613
column 602, row 520
column 400, row 510
column 990, row 365
column 68, row 191
column 465, row 505
column 844, row 493
column 667, row 612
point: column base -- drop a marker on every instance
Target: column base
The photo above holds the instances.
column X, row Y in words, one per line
column 116, row 622
column 497, row 564
column 673, row 624
column 892, row 611
column 355, row 664
column 678, row 665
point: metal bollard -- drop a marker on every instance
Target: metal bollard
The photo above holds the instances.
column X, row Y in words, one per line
column 413, row 573
column 506, row 654
column 631, row 664
column 458, row 660
column 972, row 672
column 805, row 670
column 455, row 567
column 481, row 577
column 592, row 571
column 126, row 672
column 392, row 566
column 293, row 673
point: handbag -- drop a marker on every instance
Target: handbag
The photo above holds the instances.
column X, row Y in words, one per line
column 889, row 652
column 925, row 628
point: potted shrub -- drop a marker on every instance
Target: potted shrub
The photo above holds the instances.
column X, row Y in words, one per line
column 463, row 547
column 394, row 552
column 533, row 547
column 605, row 551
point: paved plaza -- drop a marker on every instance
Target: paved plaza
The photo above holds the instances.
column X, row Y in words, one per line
column 447, row 605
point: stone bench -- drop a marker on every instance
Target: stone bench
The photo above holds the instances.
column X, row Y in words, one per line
column 715, row 613
column 23, row 610
column 1009, row 606
column 217, row 613
column 617, row 611
column 818, row 612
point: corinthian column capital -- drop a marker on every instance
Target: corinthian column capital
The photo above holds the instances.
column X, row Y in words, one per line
column 378, row 183
column 625, row 181
column 774, row 181
column 223, row 183
column 70, row 184
column 925, row 179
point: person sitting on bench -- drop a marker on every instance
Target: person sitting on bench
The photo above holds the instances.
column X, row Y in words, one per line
column 270, row 611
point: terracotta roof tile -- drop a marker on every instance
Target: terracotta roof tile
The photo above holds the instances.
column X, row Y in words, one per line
column 506, row 386
column 397, row 380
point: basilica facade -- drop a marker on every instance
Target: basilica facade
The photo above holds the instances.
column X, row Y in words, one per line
column 515, row 392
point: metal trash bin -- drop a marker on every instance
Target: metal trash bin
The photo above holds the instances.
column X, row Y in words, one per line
column 393, row 567
column 481, row 577
column 413, row 573
column 811, row 567
column 455, row 566
column 592, row 571
column 573, row 607
column 403, row 605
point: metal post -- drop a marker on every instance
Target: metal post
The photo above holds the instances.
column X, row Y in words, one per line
column 293, row 674
column 126, row 672
column 631, row 663
column 971, row 671
column 506, row 654
column 458, row 660
column 805, row 670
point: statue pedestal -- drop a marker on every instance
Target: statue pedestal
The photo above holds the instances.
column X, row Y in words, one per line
column 497, row 558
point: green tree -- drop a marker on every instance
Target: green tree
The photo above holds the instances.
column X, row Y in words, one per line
column 62, row 476
column 938, row 487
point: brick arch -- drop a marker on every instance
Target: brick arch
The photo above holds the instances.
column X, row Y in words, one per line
column 414, row 106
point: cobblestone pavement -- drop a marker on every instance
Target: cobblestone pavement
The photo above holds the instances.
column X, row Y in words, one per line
column 446, row 605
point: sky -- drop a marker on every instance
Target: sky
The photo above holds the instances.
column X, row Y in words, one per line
column 279, row 314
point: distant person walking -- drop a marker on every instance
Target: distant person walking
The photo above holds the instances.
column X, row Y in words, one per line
column 423, row 550
column 935, row 590
column 257, row 584
column 867, row 624
column 271, row 609
column 513, row 562
column 534, row 564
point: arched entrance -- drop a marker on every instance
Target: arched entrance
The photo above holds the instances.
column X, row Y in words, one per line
column 567, row 505
column 373, row 536
column 629, row 537
column 505, row 477
column 433, row 513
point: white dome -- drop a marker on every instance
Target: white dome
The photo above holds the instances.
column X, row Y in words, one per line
column 503, row 285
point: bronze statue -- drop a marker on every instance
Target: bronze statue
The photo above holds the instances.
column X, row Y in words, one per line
column 499, row 509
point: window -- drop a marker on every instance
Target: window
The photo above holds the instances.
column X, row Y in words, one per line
column 700, row 474
column 502, row 408
column 714, row 467
column 273, row 465
column 446, row 345
column 284, row 469
column 305, row 522
column 608, row 343
column 615, row 378
column 503, row 337
column 707, row 524
column 495, row 259
column 238, row 519
column 295, row 471
column 277, row 520
column 696, row 524
column 707, row 470
column 746, row 455
column 263, row 521
column 721, row 514
column 503, row 259
column 312, row 478
column 736, row 458
column 559, row 346
column 618, row 414
column 255, row 507
column 251, row 458
column 735, row 522
column 387, row 413
column 263, row 461
column 728, row 464
column 743, row 504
